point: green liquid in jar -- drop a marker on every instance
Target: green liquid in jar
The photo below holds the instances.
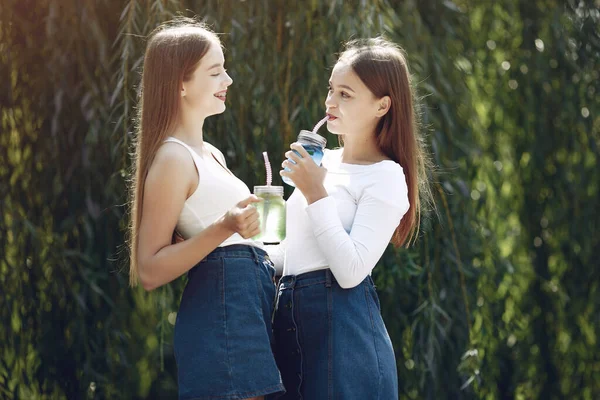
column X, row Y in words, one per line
column 272, row 218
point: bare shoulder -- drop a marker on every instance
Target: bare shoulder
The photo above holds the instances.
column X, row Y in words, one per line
column 166, row 188
column 172, row 153
column 173, row 163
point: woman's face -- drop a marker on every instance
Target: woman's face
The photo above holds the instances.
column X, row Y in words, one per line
column 352, row 108
column 206, row 91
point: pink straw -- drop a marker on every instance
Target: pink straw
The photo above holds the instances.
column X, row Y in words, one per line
column 268, row 168
column 320, row 124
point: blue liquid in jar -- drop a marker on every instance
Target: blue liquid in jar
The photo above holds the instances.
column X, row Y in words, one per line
column 316, row 153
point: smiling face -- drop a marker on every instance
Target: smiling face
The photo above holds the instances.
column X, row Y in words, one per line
column 205, row 92
column 352, row 108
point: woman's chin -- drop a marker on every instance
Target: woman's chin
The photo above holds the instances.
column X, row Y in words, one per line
column 333, row 129
column 218, row 111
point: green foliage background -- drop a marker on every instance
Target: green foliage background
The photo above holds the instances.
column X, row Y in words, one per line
column 500, row 297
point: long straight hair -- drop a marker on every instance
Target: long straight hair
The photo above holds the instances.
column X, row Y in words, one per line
column 173, row 53
column 381, row 65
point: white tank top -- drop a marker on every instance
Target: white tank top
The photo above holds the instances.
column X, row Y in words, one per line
column 218, row 191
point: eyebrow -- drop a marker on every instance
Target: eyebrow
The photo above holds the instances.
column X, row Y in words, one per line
column 215, row 66
column 343, row 87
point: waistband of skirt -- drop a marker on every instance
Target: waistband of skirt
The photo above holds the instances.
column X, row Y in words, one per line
column 238, row 251
column 318, row 277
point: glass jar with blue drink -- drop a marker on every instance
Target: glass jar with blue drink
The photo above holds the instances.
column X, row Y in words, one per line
column 314, row 145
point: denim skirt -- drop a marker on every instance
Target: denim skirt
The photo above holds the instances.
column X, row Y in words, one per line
column 223, row 340
column 331, row 343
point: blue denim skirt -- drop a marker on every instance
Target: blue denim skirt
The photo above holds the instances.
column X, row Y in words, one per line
column 223, row 335
column 331, row 343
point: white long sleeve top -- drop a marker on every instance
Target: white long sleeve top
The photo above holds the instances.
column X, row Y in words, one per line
column 348, row 230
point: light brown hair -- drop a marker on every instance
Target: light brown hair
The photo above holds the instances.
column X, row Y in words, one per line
column 173, row 53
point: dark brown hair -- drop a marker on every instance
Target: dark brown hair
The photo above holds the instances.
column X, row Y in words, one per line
column 381, row 65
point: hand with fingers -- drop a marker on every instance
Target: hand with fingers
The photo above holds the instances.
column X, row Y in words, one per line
column 243, row 218
column 305, row 173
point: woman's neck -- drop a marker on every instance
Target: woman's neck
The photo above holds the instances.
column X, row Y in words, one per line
column 189, row 130
column 359, row 149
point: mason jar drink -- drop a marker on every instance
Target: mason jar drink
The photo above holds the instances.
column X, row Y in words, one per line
column 271, row 211
column 314, row 145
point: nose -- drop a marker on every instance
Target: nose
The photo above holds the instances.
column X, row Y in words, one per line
column 228, row 80
column 329, row 103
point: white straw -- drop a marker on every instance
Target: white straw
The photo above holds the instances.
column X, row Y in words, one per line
column 320, row 124
column 268, row 168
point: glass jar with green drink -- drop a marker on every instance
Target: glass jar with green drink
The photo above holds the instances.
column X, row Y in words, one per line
column 271, row 211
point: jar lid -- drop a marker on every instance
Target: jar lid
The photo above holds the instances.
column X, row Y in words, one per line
column 276, row 190
column 312, row 138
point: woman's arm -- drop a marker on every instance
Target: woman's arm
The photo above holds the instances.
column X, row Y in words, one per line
column 382, row 204
column 352, row 256
column 170, row 181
